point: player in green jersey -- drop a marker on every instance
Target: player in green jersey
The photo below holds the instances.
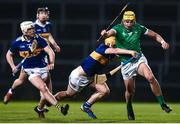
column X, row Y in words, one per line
column 128, row 36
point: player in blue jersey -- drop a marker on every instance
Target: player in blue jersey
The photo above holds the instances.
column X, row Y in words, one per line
column 32, row 47
column 83, row 75
column 43, row 28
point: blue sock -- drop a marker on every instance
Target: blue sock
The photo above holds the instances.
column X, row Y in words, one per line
column 87, row 104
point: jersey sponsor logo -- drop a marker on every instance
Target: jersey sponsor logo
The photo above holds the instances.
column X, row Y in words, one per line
column 24, row 53
column 127, row 34
column 34, row 51
column 29, row 54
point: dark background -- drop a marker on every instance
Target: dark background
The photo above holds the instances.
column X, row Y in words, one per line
column 76, row 27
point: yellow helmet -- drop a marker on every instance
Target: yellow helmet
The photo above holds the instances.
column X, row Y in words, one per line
column 110, row 41
column 129, row 15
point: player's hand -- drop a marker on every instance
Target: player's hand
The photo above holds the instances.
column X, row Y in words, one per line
column 58, row 49
column 134, row 54
column 164, row 45
column 14, row 69
column 104, row 33
column 51, row 66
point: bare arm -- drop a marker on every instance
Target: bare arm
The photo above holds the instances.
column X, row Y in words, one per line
column 53, row 42
column 120, row 51
column 51, row 55
column 158, row 38
column 9, row 58
column 109, row 33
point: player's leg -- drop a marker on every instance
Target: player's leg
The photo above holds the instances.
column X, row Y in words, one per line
column 76, row 83
column 102, row 90
column 19, row 81
column 42, row 101
column 129, row 72
column 65, row 94
column 129, row 93
column 38, row 82
column 41, row 109
column 145, row 71
column 41, row 106
column 69, row 93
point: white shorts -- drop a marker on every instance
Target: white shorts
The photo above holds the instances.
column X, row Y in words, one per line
column 32, row 72
column 129, row 70
column 77, row 81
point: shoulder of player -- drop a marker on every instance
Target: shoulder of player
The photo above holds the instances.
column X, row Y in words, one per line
column 39, row 38
column 36, row 23
column 18, row 39
column 118, row 27
column 48, row 23
column 102, row 46
column 138, row 25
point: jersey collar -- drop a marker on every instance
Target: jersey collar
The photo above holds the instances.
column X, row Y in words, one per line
column 24, row 39
column 40, row 24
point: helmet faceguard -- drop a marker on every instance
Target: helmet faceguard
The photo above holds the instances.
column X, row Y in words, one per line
column 128, row 19
column 129, row 15
column 26, row 25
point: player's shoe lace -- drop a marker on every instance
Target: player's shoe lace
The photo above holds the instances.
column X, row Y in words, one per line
column 39, row 112
column 166, row 108
column 7, row 97
column 88, row 111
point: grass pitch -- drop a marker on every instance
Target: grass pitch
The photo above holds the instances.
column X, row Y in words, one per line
column 107, row 112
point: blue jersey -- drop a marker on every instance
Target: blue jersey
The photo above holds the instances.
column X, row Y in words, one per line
column 32, row 49
column 43, row 30
column 97, row 60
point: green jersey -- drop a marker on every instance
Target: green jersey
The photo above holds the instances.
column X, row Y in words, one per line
column 129, row 38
